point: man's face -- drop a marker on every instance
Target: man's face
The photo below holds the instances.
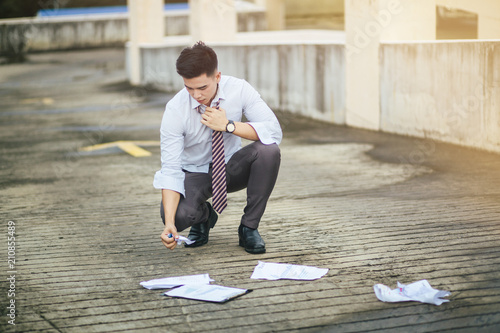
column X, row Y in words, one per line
column 203, row 88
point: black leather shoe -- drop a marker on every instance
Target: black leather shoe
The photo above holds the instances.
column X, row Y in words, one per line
column 250, row 239
column 199, row 232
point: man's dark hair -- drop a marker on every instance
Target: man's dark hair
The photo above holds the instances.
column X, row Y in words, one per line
column 196, row 60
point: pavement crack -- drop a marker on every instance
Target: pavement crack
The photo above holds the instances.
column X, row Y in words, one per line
column 50, row 322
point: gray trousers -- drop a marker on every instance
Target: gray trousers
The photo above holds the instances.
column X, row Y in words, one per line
column 254, row 167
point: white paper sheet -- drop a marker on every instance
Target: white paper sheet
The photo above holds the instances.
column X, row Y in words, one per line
column 209, row 293
column 276, row 271
column 420, row 291
column 184, row 239
column 172, row 282
column 181, row 239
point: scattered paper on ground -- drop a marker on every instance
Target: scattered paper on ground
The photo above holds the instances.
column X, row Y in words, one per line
column 172, row 282
column 209, row 292
column 420, row 291
column 184, row 239
column 276, row 271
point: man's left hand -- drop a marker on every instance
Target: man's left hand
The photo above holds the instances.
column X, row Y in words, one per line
column 214, row 119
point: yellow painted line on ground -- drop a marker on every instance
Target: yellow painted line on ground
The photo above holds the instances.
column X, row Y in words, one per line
column 133, row 149
column 44, row 101
column 130, row 147
column 99, row 146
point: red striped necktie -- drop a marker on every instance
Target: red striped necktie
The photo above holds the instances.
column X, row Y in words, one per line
column 219, row 187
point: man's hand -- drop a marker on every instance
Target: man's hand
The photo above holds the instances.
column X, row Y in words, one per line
column 215, row 119
column 169, row 242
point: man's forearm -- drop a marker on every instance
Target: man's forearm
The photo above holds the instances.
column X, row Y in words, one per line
column 170, row 202
column 245, row 131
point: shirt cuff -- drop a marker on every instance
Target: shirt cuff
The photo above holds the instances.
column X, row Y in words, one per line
column 266, row 135
column 162, row 181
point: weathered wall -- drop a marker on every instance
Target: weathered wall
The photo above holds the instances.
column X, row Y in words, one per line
column 59, row 33
column 448, row 91
column 72, row 32
column 305, row 77
column 443, row 90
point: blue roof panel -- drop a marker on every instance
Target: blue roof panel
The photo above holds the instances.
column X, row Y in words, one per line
column 100, row 10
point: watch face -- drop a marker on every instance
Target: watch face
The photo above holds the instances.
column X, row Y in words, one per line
column 230, row 127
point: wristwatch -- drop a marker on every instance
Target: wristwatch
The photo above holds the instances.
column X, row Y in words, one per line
column 230, row 127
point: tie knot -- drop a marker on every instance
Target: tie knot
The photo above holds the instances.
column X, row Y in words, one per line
column 200, row 108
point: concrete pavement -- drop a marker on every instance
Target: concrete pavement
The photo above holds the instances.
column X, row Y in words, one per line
column 371, row 207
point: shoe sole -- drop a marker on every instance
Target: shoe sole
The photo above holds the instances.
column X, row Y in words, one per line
column 253, row 251
column 196, row 244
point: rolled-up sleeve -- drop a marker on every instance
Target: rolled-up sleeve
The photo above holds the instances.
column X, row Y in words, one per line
column 171, row 176
column 269, row 132
column 260, row 116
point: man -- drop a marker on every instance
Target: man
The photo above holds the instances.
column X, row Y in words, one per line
column 212, row 103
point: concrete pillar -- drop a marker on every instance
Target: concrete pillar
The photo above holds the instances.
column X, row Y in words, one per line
column 367, row 22
column 146, row 25
column 407, row 20
column 275, row 13
column 362, row 71
column 212, row 20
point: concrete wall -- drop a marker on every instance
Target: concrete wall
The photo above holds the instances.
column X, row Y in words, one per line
column 300, row 76
column 72, row 32
column 448, row 91
column 57, row 34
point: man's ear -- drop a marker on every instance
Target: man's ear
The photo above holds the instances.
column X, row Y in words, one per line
column 218, row 76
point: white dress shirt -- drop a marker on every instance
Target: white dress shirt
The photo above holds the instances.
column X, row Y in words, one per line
column 187, row 144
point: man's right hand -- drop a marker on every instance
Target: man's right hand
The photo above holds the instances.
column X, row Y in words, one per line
column 169, row 242
column 170, row 200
